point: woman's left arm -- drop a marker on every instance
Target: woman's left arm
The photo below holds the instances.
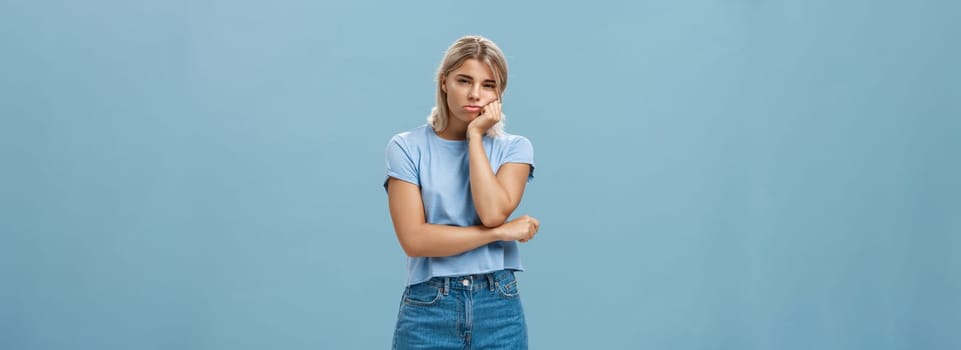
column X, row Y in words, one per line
column 495, row 196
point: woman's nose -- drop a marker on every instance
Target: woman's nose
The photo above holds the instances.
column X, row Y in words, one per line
column 474, row 92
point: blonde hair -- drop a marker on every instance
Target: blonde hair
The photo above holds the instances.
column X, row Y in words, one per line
column 481, row 49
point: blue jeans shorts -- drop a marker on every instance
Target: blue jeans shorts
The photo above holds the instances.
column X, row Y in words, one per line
column 466, row 312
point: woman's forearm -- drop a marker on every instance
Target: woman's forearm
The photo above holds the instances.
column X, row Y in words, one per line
column 491, row 200
column 431, row 240
column 419, row 238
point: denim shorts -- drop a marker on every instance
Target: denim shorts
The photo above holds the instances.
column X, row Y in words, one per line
column 466, row 312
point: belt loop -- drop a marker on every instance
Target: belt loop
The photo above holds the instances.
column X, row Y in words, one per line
column 490, row 281
column 446, row 285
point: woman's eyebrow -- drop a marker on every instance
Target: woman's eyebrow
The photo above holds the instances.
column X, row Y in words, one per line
column 465, row 76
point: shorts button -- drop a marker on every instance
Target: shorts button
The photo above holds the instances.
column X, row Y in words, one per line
column 465, row 282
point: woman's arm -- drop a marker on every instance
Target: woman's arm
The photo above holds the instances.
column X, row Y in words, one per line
column 419, row 238
column 495, row 196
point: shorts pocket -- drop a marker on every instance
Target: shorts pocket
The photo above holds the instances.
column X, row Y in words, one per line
column 508, row 289
column 423, row 294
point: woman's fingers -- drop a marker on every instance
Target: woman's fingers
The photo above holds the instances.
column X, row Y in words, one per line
column 493, row 110
column 533, row 225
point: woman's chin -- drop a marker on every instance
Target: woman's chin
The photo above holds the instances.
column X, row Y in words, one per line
column 466, row 119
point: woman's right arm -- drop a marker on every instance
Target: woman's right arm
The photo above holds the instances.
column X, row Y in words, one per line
column 421, row 239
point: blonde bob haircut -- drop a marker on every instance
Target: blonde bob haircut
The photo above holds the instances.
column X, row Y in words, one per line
column 481, row 49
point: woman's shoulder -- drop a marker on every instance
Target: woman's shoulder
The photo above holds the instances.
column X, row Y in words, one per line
column 410, row 137
column 511, row 140
column 418, row 131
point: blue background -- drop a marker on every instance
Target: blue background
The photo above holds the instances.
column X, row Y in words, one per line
column 711, row 174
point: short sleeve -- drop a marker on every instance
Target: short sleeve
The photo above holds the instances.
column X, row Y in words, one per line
column 521, row 151
column 400, row 163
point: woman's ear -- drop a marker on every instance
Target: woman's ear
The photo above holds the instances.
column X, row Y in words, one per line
column 443, row 83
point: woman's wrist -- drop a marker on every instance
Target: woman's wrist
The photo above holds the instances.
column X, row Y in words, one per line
column 496, row 233
column 471, row 135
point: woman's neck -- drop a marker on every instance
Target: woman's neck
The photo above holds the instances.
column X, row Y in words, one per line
column 454, row 132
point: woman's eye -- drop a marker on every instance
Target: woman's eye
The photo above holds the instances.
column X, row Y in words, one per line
column 462, row 81
column 489, row 86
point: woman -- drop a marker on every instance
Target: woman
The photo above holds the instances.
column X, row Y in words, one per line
column 452, row 184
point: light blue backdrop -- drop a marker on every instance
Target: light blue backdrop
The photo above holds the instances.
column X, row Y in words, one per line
column 711, row 174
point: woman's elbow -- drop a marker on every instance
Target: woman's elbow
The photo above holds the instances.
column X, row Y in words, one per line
column 412, row 251
column 410, row 247
column 493, row 220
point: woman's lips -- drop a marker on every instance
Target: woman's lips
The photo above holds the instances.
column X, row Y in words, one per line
column 472, row 109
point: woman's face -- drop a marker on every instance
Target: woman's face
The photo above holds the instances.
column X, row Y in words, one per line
column 469, row 88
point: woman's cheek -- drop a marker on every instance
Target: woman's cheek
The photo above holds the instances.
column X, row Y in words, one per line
column 488, row 99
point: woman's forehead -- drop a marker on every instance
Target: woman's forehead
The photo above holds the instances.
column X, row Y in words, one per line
column 475, row 69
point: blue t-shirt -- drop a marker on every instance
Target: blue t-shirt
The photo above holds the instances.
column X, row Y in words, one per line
column 441, row 169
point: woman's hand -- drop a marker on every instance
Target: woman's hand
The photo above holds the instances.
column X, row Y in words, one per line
column 488, row 117
column 521, row 229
